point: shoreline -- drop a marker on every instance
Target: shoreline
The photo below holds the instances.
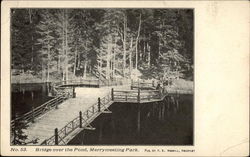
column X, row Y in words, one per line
column 181, row 86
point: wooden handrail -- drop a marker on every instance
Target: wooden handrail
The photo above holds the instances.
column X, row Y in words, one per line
column 75, row 123
column 137, row 95
column 92, row 110
column 39, row 110
column 61, row 85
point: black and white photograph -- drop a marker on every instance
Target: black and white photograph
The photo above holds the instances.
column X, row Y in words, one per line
column 124, row 78
column 102, row 76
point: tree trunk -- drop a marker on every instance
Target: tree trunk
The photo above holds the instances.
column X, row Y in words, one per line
column 149, row 55
column 108, row 58
column 43, row 74
column 90, row 68
column 100, row 68
column 124, row 43
column 66, row 42
column 59, row 63
column 130, row 55
column 32, row 53
column 85, row 58
column 144, row 50
column 85, row 70
column 140, row 52
column 114, row 57
column 32, row 47
column 79, row 60
column 75, row 62
column 136, row 44
column 159, row 52
column 63, row 46
column 48, row 62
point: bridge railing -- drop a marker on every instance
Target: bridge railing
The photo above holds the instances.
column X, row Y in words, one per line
column 123, row 95
column 89, row 82
column 110, row 82
column 67, row 85
column 115, row 82
column 136, row 95
column 78, row 81
column 62, row 133
column 82, row 121
column 150, row 95
column 142, row 85
column 35, row 112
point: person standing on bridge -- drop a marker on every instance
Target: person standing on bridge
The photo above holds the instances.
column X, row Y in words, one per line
column 158, row 86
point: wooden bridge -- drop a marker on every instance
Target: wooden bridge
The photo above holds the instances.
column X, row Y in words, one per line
column 74, row 115
column 67, row 87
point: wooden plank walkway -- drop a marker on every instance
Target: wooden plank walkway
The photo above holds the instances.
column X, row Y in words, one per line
column 69, row 137
column 44, row 126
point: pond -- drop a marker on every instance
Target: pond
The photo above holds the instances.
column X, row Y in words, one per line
column 166, row 123
column 169, row 122
column 26, row 96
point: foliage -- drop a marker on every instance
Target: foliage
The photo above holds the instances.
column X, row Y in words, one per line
column 64, row 43
column 18, row 135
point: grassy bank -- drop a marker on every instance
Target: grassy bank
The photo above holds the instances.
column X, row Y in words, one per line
column 29, row 78
column 26, row 78
column 181, row 86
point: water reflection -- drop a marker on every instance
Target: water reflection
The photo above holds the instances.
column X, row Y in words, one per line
column 26, row 96
column 169, row 122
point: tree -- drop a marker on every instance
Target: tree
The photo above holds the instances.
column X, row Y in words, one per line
column 111, row 37
column 136, row 43
column 18, row 135
column 22, row 41
column 68, row 43
column 81, row 36
column 124, row 42
column 46, row 29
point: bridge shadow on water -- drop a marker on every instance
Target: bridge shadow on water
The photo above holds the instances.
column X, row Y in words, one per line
column 161, row 123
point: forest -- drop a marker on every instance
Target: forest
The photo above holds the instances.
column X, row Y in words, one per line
column 63, row 44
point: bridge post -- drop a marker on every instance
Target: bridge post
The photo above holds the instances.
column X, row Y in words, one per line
column 99, row 82
column 87, row 113
column 112, row 94
column 80, row 117
column 33, row 116
column 57, row 104
column 138, row 97
column 160, row 93
column 131, row 84
column 45, row 142
column 99, row 104
column 74, row 93
column 56, row 136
